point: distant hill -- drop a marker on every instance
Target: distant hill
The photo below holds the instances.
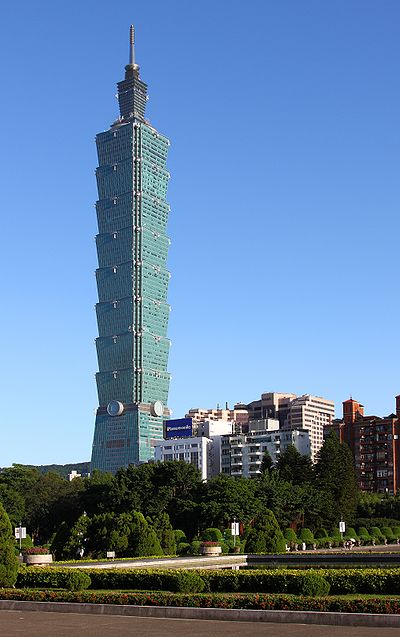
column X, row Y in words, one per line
column 63, row 470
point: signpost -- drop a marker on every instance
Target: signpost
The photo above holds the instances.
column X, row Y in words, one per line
column 235, row 531
column 20, row 534
column 342, row 528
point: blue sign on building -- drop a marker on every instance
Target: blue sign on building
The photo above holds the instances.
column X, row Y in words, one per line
column 178, row 428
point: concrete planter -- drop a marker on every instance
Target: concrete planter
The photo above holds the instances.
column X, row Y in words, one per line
column 210, row 551
column 38, row 560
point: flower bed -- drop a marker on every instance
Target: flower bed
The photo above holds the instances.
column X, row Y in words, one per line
column 36, row 550
column 37, row 555
column 209, row 548
column 213, row 600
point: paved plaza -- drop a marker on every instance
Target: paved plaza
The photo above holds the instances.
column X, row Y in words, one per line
column 45, row 624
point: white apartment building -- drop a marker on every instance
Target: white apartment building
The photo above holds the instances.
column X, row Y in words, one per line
column 196, row 450
column 220, row 450
column 242, row 454
column 312, row 413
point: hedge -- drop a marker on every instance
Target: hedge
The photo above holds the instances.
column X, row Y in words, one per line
column 358, row 580
column 214, row 600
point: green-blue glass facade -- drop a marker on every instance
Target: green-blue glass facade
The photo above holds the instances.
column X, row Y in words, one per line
column 132, row 282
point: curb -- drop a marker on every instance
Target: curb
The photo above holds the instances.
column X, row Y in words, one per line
column 215, row 614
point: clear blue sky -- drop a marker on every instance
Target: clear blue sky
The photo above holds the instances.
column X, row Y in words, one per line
column 285, row 191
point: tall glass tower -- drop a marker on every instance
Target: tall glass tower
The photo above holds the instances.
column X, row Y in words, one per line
column 132, row 282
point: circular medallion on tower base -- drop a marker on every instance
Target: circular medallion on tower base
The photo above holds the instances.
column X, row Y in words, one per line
column 115, row 408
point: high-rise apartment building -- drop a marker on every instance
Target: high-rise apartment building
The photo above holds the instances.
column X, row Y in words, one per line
column 375, row 443
column 132, row 282
column 312, row 413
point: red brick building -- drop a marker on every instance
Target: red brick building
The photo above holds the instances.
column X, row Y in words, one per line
column 375, row 443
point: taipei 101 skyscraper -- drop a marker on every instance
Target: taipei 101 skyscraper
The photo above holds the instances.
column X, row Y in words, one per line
column 132, row 282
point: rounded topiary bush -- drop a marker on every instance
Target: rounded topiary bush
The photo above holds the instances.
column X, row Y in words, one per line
column 351, row 533
column 187, row 582
column 76, row 580
column 8, row 559
column 396, row 531
column 183, row 548
column 388, row 533
column 377, row 534
column 306, row 536
column 324, row 542
column 212, row 535
column 313, row 585
column 335, row 534
column 179, row 536
column 195, row 547
column 290, row 535
column 321, row 533
column 363, row 534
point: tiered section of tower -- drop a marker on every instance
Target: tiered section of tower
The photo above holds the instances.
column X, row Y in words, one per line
column 132, row 281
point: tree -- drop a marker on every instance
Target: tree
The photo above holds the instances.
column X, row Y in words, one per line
column 13, row 502
column 266, row 462
column 76, row 544
column 154, row 488
column 265, row 535
column 335, row 476
column 143, row 540
column 224, row 498
column 295, row 467
column 8, row 559
column 165, row 533
column 98, row 493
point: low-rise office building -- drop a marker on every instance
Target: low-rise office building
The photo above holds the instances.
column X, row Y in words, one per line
column 196, row 450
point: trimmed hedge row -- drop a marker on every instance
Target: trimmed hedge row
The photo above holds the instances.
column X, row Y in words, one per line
column 357, row 580
column 214, row 600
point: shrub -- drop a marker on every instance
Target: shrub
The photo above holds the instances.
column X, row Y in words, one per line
column 212, row 535
column 76, row 580
column 388, row 533
column 214, row 600
column 290, row 535
column 313, row 585
column 324, row 542
column 195, row 547
column 335, row 534
column 265, row 536
column 345, row 580
column 8, row 559
column 377, row 533
column 179, row 536
column 351, row 533
column 187, row 582
column 306, row 536
column 165, row 533
column 363, row 534
column 321, row 533
column 183, row 548
column 396, row 531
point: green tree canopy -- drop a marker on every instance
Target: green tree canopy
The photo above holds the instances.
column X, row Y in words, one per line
column 8, row 559
column 295, row 467
column 335, row 476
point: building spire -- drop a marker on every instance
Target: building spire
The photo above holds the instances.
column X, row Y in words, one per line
column 132, row 69
column 132, row 46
